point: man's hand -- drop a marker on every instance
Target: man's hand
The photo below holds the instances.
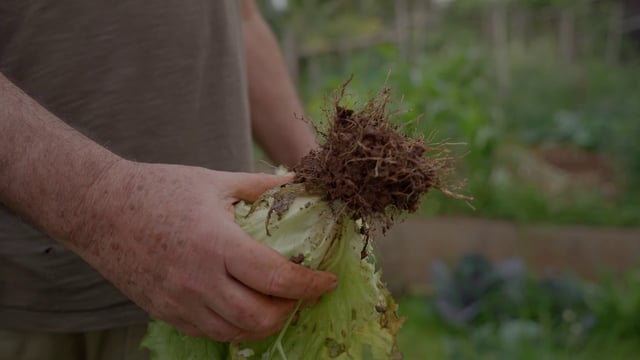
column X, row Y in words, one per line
column 165, row 236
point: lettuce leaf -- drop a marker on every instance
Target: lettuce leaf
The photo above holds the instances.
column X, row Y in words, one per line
column 167, row 343
column 356, row 321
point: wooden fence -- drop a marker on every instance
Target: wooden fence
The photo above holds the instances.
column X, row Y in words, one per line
column 498, row 26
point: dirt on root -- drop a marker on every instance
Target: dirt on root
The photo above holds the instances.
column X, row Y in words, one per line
column 371, row 165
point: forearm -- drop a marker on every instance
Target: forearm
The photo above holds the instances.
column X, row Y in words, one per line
column 46, row 167
column 162, row 234
column 272, row 95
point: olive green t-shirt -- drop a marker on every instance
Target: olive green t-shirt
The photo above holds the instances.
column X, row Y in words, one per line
column 154, row 81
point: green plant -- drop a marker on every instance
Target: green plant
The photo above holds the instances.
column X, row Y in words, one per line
column 616, row 305
column 550, row 318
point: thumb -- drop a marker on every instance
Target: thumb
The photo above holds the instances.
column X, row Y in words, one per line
column 248, row 186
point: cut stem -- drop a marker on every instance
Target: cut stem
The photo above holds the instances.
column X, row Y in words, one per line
column 278, row 342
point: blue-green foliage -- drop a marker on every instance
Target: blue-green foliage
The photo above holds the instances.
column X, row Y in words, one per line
column 519, row 316
column 617, row 306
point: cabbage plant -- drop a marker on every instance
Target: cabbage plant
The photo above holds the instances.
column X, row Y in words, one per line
column 365, row 174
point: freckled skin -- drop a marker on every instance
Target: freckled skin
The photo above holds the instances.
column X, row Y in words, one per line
column 165, row 236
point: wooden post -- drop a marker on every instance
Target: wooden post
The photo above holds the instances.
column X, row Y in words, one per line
column 403, row 27
column 421, row 17
column 499, row 41
column 614, row 33
column 566, row 35
column 519, row 25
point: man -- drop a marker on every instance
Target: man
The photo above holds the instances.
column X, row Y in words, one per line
column 111, row 115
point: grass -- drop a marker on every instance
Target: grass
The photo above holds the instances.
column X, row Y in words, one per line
column 424, row 336
column 420, row 337
column 526, row 205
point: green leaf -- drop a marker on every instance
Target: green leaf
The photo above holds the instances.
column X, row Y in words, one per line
column 167, row 343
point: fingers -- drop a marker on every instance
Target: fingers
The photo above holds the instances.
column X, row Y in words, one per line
column 260, row 322
column 251, row 317
column 214, row 326
column 210, row 324
column 236, row 314
column 249, row 187
column 233, row 313
column 249, row 310
column 263, row 269
column 206, row 323
column 308, row 303
column 187, row 328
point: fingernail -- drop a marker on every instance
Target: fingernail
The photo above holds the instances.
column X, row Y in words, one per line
column 334, row 284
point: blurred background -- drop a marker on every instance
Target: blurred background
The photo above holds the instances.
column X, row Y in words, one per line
column 545, row 97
